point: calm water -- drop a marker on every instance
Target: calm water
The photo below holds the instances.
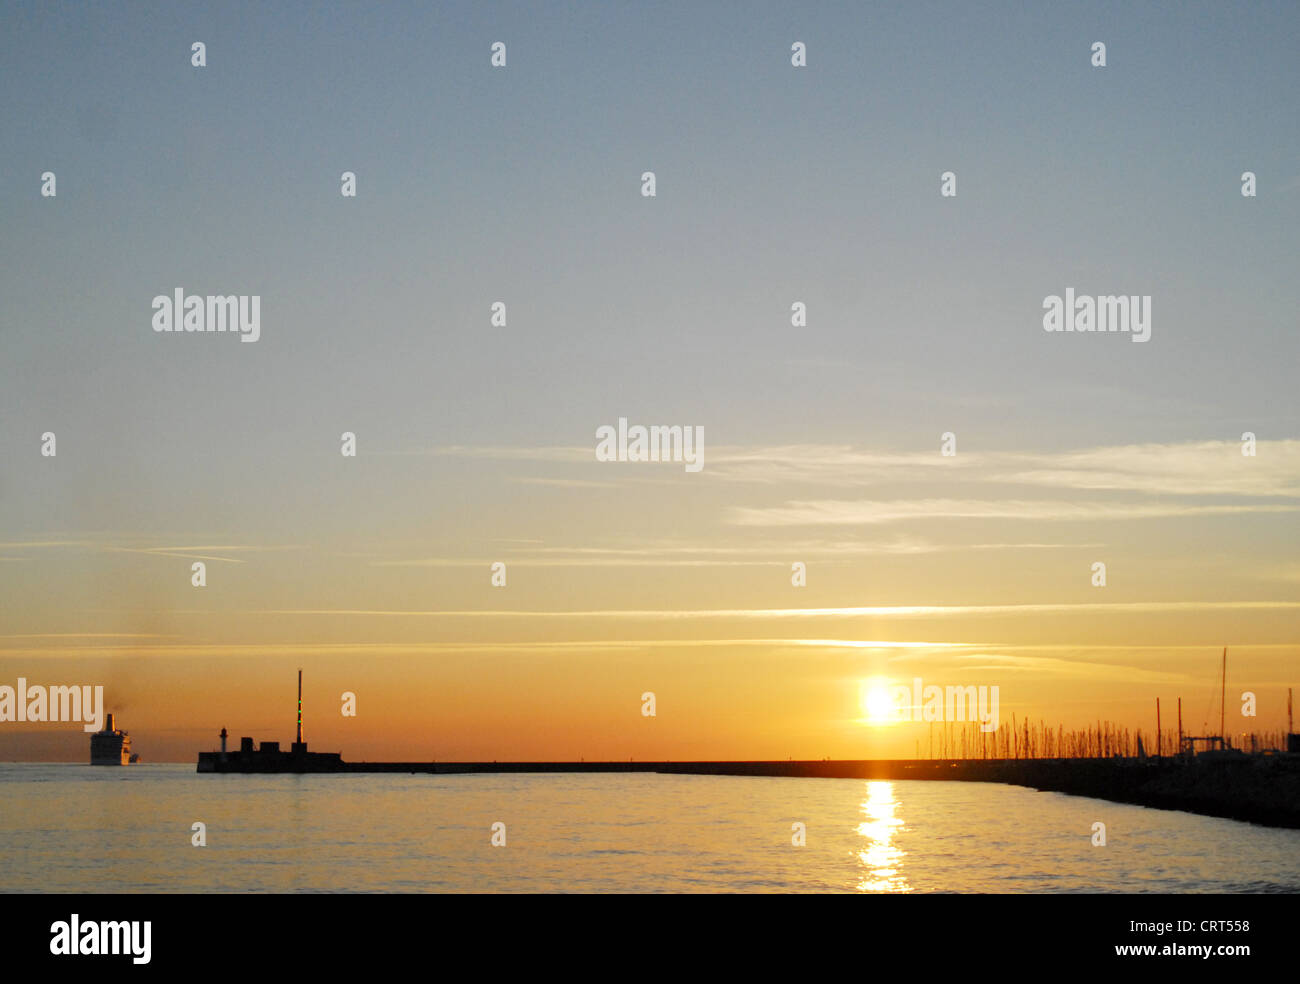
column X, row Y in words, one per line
column 70, row 828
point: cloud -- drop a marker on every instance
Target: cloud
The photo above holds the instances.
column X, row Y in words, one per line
column 1198, row 468
column 419, row 648
column 122, row 543
column 833, row 512
column 88, row 635
column 879, row 611
column 567, row 483
column 544, row 453
column 717, row 555
column 1186, row 468
column 1210, row 467
column 1064, row 668
column 832, row 464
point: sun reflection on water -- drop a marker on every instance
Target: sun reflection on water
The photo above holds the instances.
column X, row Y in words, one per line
column 881, row 858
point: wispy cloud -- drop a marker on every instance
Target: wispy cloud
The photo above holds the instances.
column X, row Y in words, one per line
column 88, row 635
column 823, row 512
column 567, row 483
column 1195, row 468
column 138, row 545
column 418, row 648
column 544, row 453
column 1209, row 467
column 1056, row 668
column 714, row 555
column 879, row 611
column 1185, row 468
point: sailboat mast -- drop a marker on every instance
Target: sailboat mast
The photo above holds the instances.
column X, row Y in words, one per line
column 1223, row 692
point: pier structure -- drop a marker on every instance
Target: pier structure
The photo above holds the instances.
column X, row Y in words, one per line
column 1224, row 782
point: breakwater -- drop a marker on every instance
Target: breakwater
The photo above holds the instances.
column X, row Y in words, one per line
column 1263, row 789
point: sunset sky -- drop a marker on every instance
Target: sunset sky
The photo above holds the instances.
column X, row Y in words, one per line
column 475, row 444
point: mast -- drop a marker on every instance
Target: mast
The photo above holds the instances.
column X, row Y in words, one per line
column 300, row 705
column 1223, row 691
column 1157, row 727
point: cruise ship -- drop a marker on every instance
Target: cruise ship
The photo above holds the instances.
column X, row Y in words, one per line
column 110, row 746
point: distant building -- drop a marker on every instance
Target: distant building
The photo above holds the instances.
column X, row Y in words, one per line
column 268, row 756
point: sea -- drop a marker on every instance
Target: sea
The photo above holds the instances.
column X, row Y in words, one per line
column 74, row 828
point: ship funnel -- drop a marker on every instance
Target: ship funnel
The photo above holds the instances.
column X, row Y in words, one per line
column 108, row 723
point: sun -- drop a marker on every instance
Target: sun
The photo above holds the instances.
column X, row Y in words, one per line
column 876, row 698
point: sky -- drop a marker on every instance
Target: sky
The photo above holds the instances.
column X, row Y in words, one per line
column 475, row 442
